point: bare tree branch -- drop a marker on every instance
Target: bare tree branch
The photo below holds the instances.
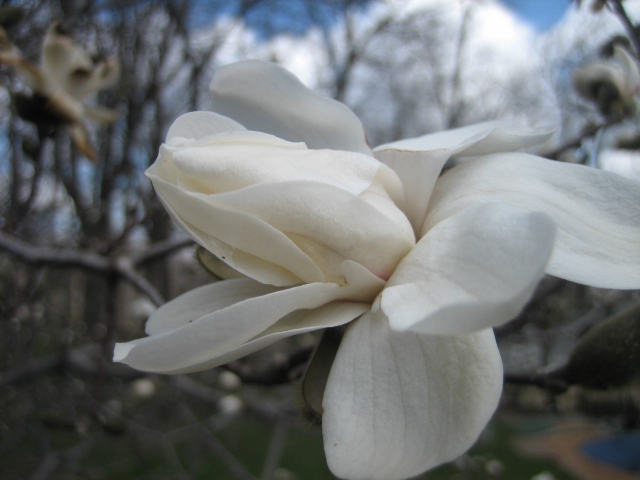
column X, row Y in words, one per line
column 632, row 31
column 93, row 262
column 81, row 360
column 161, row 249
column 545, row 381
column 588, row 132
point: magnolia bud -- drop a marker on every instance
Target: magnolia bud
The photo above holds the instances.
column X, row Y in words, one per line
column 608, row 355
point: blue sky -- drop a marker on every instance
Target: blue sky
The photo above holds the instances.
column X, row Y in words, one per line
column 541, row 14
column 296, row 16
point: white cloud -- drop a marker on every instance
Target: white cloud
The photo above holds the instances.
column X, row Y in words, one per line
column 622, row 162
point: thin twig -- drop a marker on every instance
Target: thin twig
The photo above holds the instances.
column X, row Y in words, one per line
column 545, row 381
column 81, row 360
column 36, row 184
column 53, row 257
column 632, row 32
column 231, row 463
column 588, row 132
column 111, row 302
column 31, row 368
column 275, row 451
column 47, row 467
column 161, row 249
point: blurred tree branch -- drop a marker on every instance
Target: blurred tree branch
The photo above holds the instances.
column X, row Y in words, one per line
column 82, row 360
column 588, row 132
column 632, row 30
column 52, row 257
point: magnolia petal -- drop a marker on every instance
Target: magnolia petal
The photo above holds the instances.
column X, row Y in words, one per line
column 597, row 213
column 235, row 160
column 362, row 285
column 197, row 125
column 60, row 54
column 243, row 241
column 199, row 339
column 331, row 315
column 315, row 377
column 478, row 139
column 397, row 404
column 419, row 161
column 630, row 65
column 216, row 266
column 33, row 76
column 328, row 224
column 584, row 78
column 204, row 300
column 103, row 116
column 418, row 172
column 474, row 270
column 83, row 83
column 80, row 136
column 265, row 97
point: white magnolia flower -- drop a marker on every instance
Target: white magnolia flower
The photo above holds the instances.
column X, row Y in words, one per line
column 418, row 267
column 66, row 78
column 612, row 86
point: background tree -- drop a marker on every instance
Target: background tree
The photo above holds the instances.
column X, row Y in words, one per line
column 86, row 250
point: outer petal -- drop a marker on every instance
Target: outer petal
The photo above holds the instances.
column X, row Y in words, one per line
column 330, row 315
column 397, row 404
column 267, row 98
column 197, row 125
column 479, row 139
column 246, row 243
column 419, row 161
column 203, row 300
column 418, row 172
column 631, row 70
column 83, row 84
column 231, row 161
column 61, row 55
column 474, row 270
column 238, row 313
column 597, row 213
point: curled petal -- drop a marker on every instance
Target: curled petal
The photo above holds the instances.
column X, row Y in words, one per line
column 203, row 300
column 83, row 83
column 246, row 243
column 276, row 211
column 328, row 224
column 199, row 329
column 60, row 56
column 419, row 161
column 399, row 403
column 418, row 172
column 474, row 270
column 479, row 139
column 597, row 213
column 287, row 232
column 197, row 125
column 103, row 116
column 235, row 160
column 265, row 97
column 630, row 66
